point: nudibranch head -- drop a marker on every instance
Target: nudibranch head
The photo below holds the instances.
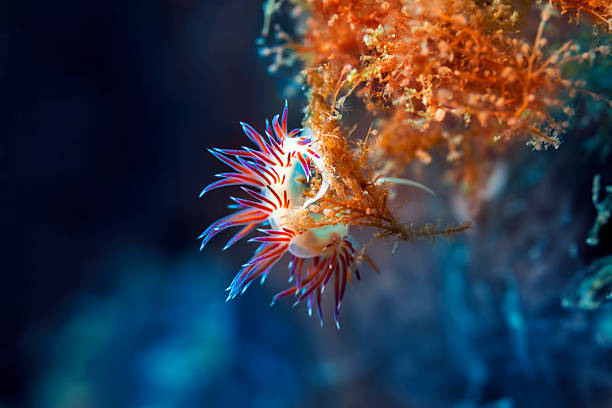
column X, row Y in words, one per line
column 276, row 177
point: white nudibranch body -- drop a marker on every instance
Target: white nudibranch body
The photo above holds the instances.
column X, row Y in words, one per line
column 314, row 241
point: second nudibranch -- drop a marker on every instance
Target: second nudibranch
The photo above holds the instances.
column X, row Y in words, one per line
column 276, row 175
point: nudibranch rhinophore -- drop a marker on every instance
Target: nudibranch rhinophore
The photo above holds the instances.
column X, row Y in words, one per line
column 276, row 176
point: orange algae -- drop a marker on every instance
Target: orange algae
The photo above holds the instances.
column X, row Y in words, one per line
column 599, row 10
column 358, row 195
column 435, row 75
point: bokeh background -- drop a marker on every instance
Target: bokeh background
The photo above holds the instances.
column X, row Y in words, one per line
column 107, row 109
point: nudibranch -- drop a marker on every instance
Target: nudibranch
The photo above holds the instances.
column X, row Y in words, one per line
column 276, row 175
